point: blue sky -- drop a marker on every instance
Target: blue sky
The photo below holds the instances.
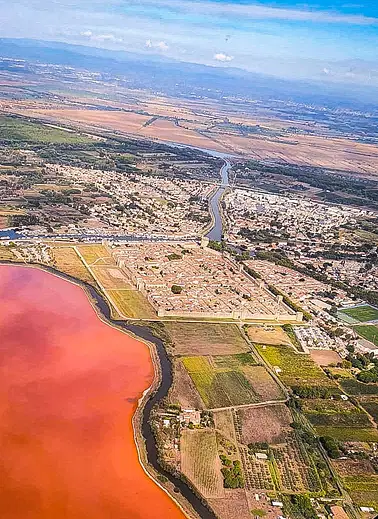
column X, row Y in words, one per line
column 318, row 39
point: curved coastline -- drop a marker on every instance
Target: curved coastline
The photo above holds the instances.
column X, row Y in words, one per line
column 143, row 434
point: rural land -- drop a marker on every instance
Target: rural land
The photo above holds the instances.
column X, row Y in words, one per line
column 244, row 234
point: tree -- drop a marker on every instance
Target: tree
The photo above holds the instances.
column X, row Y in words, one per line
column 176, row 289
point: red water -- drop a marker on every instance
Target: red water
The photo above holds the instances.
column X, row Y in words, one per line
column 69, row 385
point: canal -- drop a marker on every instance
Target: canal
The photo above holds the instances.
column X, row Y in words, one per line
column 216, row 231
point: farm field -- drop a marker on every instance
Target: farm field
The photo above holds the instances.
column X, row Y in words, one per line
column 225, row 381
column 233, row 505
column 219, row 387
column 200, row 462
column 346, row 434
column 95, row 254
column 224, row 423
column 363, row 489
column 6, row 254
column 354, row 387
column 132, row 303
column 297, row 370
column 340, row 419
column 273, row 335
column 183, row 391
column 256, row 472
column 13, row 128
column 368, row 332
column 67, row 261
column 349, row 467
column 325, row 357
column 206, row 339
column 334, row 413
column 361, row 314
column 269, row 424
column 295, row 470
column 111, row 277
column 372, row 408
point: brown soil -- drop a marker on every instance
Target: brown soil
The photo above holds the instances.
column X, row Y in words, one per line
column 206, row 339
column 183, row 391
column 353, row 467
column 265, row 424
column 235, row 504
column 325, row 357
column 273, row 335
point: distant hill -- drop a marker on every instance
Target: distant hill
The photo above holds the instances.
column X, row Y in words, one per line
column 178, row 78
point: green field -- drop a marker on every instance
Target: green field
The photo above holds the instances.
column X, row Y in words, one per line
column 131, row 303
column 355, row 388
column 334, row 413
column 348, row 433
column 372, row 408
column 363, row 489
column 361, row 314
column 18, row 129
column 368, row 332
column 219, row 387
column 298, row 370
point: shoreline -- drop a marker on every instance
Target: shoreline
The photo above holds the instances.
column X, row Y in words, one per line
column 146, row 402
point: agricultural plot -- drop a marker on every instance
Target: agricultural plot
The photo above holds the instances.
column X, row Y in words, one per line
column 67, row 261
column 296, row 370
column 131, row 303
column 233, row 505
column 334, row 413
column 14, row 128
column 361, row 314
column 363, row 489
column 225, row 381
column 219, row 388
column 372, row 408
column 206, row 339
column 183, row 391
column 224, row 423
column 354, row 387
column 256, row 472
column 273, row 335
column 111, row 277
column 368, row 332
column 349, row 434
column 200, row 462
column 349, row 467
column 325, row 357
column 295, row 470
column 270, row 424
column 95, row 255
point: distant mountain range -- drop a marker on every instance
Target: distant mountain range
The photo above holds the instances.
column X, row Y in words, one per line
column 178, row 78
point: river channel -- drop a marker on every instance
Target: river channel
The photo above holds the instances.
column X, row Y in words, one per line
column 69, row 386
column 216, row 231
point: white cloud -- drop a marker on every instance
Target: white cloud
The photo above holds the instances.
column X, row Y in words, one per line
column 161, row 45
column 87, row 34
column 220, row 56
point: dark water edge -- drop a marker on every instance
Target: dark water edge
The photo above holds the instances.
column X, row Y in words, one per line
column 143, row 332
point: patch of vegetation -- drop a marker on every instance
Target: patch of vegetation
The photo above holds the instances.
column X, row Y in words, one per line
column 368, row 332
column 371, row 408
column 331, row 446
column 220, row 386
column 18, row 129
column 354, row 387
column 176, row 289
column 299, row 372
column 299, row 506
column 232, row 473
column 362, row 313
